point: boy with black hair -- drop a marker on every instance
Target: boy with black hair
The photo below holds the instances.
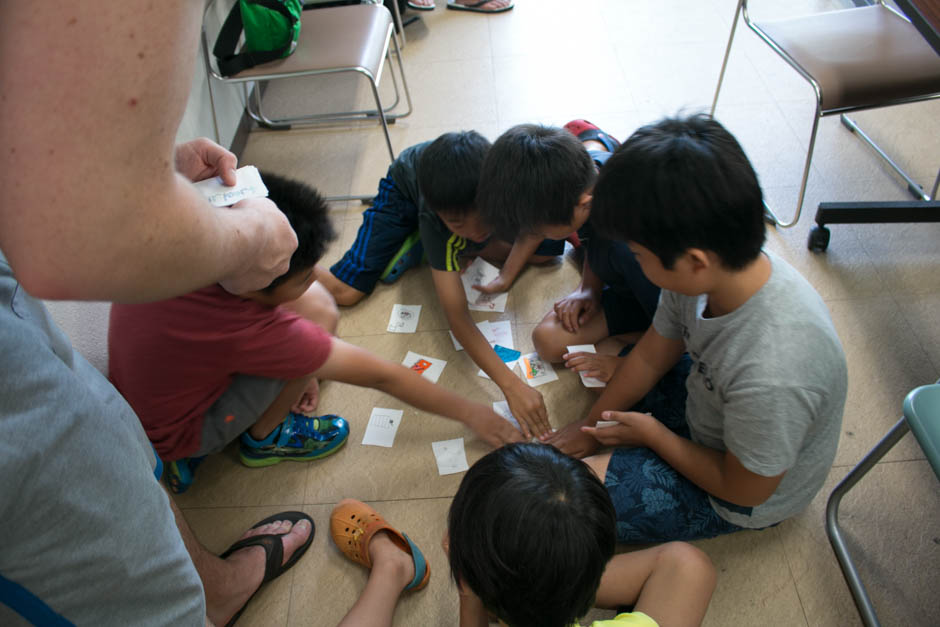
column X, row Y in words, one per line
column 741, row 432
column 537, row 181
column 426, row 207
column 205, row 368
column 531, row 538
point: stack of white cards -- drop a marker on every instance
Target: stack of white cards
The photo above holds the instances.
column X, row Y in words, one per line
column 249, row 185
column 589, row 382
column 481, row 273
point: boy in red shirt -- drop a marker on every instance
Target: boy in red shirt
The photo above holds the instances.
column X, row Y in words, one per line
column 207, row 367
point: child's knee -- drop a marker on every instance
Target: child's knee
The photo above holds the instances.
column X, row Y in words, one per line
column 689, row 562
column 549, row 339
column 323, row 307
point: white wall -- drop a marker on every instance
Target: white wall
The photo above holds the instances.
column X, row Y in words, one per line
column 87, row 323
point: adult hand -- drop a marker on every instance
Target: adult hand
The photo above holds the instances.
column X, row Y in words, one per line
column 572, row 441
column 269, row 241
column 528, row 407
column 497, row 285
column 202, row 158
column 595, row 365
column 632, row 430
column 493, row 428
column 577, row 308
column 309, row 399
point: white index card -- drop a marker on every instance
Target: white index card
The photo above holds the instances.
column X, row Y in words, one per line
column 248, row 185
column 536, row 370
column 382, row 427
column 451, row 456
column 429, row 367
column 589, row 382
column 480, row 273
column 606, row 423
column 502, row 408
column 404, row 318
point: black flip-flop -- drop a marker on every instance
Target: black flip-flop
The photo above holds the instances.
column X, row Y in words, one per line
column 456, row 6
column 273, row 551
column 421, row 7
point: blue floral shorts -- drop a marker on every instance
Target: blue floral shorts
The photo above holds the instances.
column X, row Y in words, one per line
column 654, row 502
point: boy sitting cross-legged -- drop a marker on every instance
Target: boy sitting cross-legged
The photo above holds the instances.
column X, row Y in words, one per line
column 426, row 206
column 203, row 369
column 729, row 407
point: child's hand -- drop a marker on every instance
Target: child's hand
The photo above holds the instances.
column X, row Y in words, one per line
column 631, row 431
column 572, row 441
column 497, row 285
column 577, row 308
column 595, row 365
column 528, row 407
column 309, row 399
column 493, row 429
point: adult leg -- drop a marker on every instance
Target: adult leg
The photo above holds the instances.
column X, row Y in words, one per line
column 671, row 583
column 229, row 583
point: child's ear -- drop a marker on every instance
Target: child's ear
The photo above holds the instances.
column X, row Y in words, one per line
column 700, row 259
column 582, row 210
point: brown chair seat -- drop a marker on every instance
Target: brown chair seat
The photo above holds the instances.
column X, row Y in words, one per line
column 859, row 57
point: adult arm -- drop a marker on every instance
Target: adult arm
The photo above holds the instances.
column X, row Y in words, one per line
column 350, row 364
column 650, row 359
column 525, row 402
column 91, row 205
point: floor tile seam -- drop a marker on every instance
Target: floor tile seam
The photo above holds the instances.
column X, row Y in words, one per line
column 893, row 294
column 883, row 461
column 796, row 587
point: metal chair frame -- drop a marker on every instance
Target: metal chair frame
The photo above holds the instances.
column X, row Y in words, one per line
column 863, row 602
column 254, row 84
column 915, row 189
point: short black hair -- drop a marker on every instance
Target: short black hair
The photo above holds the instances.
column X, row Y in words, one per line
column 309, row 216
column 449, row 171
column 533, row 176
column 682, row 183
column 531, row 531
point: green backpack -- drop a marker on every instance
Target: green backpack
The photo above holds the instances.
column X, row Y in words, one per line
column 271, row 31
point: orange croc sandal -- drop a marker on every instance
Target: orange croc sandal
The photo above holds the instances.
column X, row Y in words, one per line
column 352, row 525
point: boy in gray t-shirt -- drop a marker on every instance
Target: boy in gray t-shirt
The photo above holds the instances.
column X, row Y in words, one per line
column 737, row 391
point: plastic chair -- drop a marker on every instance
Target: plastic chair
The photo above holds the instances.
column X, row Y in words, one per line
column 354, row 38
column 922, row 417
column 854, row 59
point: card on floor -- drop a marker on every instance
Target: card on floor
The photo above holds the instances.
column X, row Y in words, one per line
column 501, row 333
column 248, row 185
column 451, row 456
column 508, row 355
column 404, row 319
column 502, row 408
column 589, row 382
column 537, row 371
column 382, row 427
column 480, row 273
column 484, row 329
column 429, row 367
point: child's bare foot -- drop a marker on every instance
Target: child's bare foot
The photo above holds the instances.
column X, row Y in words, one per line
column 494, row 6
column 595, row 365
column 389, row 560
column 248, row 565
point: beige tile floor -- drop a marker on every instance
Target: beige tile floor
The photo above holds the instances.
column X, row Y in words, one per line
column 621, row 63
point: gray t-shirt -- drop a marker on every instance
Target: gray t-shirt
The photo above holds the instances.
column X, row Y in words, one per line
column 86, row 527
column 768, row 383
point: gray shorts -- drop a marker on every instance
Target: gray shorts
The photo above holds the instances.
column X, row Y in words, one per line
column 239, row 407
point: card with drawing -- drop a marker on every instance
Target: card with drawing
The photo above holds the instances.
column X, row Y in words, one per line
column 536, row 371
column 589, row 382
column 404, row 319
column 428, row 367
column 248, row 185
column 451, row 456
column 480, row 273
column 382, row 427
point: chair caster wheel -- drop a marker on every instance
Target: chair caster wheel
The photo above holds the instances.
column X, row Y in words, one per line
column 818, row 239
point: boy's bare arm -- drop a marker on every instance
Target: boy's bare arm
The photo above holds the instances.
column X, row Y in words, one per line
column 91, row 205
column 350, row 364
column 525, row 402
column 523, row 249
column 638, row 372
column 720, row 473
